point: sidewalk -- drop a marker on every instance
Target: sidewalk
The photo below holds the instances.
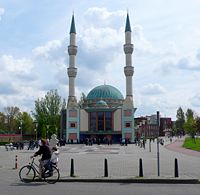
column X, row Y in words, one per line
column 123, row 164
column 177, row 147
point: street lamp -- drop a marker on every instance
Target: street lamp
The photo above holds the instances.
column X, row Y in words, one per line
column 20, row 129
column 36, row 125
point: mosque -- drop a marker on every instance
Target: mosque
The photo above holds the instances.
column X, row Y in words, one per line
column 105, row 112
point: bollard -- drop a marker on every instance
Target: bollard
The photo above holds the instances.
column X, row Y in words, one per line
column 149, row 145
column 16, row 164
column 72, row 168
column 176, row 168
column 105, row 168
column 140, row 168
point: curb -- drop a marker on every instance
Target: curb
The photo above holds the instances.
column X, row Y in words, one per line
column 129, row 180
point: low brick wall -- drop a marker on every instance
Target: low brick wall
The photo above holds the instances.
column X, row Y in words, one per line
column 10, row 137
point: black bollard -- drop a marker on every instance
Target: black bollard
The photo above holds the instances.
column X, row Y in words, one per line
column 140, row 168
column 149, row 145
column 72, row 168
column 105, row 168
column 176, row 168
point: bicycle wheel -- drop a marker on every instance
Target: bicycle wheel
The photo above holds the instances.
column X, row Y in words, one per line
column 52, row 176
column 27, row 174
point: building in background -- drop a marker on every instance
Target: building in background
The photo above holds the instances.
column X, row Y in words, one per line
column 104, row 114
column 147, row 126
column 166, row 125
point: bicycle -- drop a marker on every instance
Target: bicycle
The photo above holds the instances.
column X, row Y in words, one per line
column 28, row 172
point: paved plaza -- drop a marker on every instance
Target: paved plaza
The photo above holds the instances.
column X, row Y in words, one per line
column 123, row 161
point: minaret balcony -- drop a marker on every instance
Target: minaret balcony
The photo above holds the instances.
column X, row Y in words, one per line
column 129, row 70
column 72, row 49
column 72, row 72
column 128, row 48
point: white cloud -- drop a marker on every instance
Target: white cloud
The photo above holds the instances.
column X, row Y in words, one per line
column 18, row 84
column 7, row 88
column 141, row 42
column 2, row 11
column 153, row 89
column 198, row 54
column 100, row 38
column 52, row 50
column 10, row 64
column 103, row 13
column 166, row 67
column 169, row 64
column 195, row 100
column 188, row 63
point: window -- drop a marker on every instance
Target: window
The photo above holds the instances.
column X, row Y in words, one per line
column 128, row 124
column 108, row 121
column 100, row 121
column 72, row 124
column 93, row 121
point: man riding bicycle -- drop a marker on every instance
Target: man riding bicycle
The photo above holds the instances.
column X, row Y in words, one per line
column 45, row 151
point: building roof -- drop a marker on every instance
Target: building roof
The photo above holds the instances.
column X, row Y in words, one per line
column 105, row 92
column 128, row 26
column 73, row 28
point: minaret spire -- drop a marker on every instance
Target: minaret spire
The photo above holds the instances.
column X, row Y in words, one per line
column 128, row 26
column 73, row 28
column 72, row 70
column 128, row 50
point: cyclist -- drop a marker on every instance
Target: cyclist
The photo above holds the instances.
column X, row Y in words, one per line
column 45, row 151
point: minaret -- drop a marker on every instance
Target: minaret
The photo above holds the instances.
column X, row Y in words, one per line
column 128, row 69
column 72, row 71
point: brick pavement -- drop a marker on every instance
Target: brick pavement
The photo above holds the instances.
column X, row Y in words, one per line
column 123, row 161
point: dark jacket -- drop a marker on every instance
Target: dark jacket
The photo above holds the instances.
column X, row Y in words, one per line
column 44, row 151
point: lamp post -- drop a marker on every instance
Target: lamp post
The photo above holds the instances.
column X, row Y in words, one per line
column 20, row 129
column 36, row 125
column 47, row 132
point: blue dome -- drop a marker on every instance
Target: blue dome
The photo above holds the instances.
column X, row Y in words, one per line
column 105, row 92
column 101, row 103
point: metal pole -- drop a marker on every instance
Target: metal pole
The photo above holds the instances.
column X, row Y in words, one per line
column 158, row 152
column 158, row 157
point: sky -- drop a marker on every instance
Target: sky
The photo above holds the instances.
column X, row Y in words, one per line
column 34, row 36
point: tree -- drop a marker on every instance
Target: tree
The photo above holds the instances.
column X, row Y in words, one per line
column 25, row 122
column 82, row 99
column 198, row 124
column 190, row 126
column 180, row 121
column 2, row 123
column 11, row 114
column 189, row 114
column 47, row 113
